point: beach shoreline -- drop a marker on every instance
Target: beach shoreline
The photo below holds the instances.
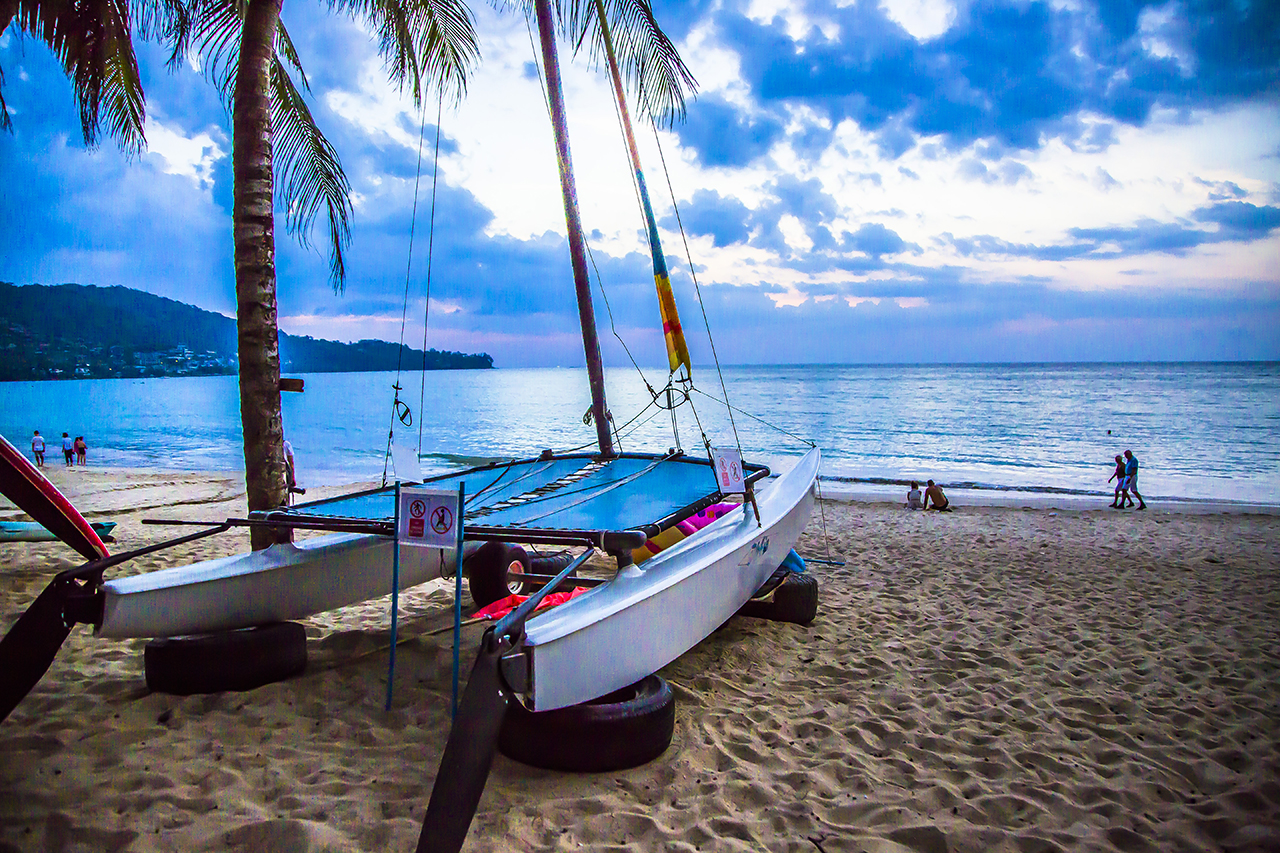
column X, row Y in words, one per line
column 83, row 483
column 994, row 678
column 1011, row 499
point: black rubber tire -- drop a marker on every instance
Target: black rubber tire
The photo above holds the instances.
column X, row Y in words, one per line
column 795, row 601
column 551, row 564
column 626, row 728
column 775, row 580
column 230, row 660
column 487, row 569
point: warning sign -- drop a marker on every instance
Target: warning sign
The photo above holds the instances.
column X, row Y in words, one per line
column 728, row 465
column 428, row 517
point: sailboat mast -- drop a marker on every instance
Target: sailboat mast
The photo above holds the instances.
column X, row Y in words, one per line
column 577, row 245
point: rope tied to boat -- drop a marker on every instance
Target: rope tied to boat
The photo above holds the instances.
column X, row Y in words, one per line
column 400, row 409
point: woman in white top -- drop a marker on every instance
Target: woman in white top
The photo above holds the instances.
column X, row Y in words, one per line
column 914, row 500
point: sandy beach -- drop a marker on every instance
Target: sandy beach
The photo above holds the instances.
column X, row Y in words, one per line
column 990, row 679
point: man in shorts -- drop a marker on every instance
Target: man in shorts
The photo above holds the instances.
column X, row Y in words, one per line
column 37, row 448
column 934, row 493
column 1131, row 478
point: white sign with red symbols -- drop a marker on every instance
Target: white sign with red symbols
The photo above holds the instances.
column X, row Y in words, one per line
column 428, row 517
column 729, row 476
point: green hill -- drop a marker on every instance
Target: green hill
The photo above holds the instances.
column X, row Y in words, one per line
column 71, row 331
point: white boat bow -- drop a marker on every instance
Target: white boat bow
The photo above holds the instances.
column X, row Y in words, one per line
column 649, row 615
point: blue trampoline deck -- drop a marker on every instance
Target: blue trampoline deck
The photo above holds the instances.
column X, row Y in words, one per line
column 630, row 492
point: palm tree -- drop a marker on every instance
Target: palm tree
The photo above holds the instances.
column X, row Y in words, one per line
column 424, row 42
column 246, row 47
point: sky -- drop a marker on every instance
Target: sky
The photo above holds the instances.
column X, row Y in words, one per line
column 858, row 182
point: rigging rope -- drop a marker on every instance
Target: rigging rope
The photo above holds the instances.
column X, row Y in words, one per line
column 431, row 242
column 725, row 403
column 398, row 408
column 693, row 273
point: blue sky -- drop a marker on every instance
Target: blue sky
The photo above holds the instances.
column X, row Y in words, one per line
column 904, row 181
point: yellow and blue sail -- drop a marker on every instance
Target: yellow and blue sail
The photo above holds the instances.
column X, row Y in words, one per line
column 677, row 350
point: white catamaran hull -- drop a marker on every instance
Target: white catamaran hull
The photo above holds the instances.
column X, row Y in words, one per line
column 279, row 583
column 649, row 615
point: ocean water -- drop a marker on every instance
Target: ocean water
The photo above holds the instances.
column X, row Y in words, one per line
column 1201, row 431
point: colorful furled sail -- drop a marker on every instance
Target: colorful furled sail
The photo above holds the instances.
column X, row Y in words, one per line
column 677, row 350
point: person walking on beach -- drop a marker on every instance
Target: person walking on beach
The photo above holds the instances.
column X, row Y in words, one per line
column 37, row 448
column 290, row 478
column 1131, row 474
column 913, row 497
column 934, row 493
column 80, row 447
column 1121, row 483
column 68, row 450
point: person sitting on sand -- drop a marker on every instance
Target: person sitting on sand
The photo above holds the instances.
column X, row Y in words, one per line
column 913, row 497
column 1121, row 483
column 934, row 493
column 1131, row 479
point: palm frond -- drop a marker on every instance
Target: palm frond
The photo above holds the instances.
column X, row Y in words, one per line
column 92, row 40
column 8, row 9
column 308, row 175
column 215, row 32
column 649, row 62
column 166, row 21
column 308, row 172
column 423, row 43
column 286, row 51
column 5, row 122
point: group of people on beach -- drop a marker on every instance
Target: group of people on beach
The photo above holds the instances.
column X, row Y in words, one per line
column 1126, row 477
column 74, row 452
column 933, row 497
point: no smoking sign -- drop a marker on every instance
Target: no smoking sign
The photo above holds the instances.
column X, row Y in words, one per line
column 428, row 517
column 729, row 473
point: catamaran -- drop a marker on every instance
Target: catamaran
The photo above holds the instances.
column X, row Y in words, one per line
column 615, row 634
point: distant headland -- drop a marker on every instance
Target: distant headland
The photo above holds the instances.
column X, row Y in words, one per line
column 73, row 331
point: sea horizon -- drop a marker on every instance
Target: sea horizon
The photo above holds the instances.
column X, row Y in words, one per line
column 1204, row 431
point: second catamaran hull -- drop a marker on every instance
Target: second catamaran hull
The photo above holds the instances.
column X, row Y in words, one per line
column 273, row 585
column 648, row 616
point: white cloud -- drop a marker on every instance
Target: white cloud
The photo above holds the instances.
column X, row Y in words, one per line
column 192, row 157
column 1155, row 33
column 793, row 230
column 924, row 19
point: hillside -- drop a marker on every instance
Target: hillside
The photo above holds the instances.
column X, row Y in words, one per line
column 70, row 331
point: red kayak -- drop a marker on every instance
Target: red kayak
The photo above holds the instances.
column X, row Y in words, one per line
column 22, row 483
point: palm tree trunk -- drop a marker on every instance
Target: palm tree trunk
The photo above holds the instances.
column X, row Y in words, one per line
column 255, row 269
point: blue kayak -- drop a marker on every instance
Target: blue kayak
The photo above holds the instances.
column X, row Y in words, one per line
column 30, row 531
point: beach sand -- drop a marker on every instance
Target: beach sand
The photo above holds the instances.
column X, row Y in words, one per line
column 991, row 679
